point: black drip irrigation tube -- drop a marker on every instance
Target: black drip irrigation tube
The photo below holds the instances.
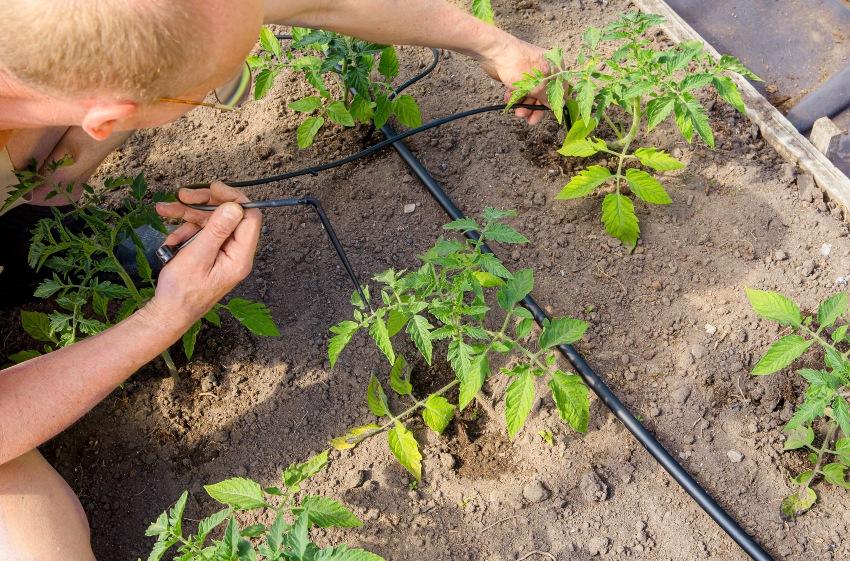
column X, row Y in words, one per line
column 590, row 377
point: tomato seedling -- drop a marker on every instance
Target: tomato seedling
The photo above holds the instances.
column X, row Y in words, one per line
column 354, row 96
column 622, row 80
column 825, row 403
column 446, row 300
column 287, row 538
column 91, row 287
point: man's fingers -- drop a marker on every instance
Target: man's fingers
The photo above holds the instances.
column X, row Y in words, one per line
column 181, row 234
column 203, row 251
column 223, row 193
column 179, row 211
column 242, row 245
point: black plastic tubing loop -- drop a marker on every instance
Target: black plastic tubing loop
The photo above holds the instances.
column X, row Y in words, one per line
column 595, row 382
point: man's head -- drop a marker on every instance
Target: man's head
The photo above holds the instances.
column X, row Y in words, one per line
column 104, row 63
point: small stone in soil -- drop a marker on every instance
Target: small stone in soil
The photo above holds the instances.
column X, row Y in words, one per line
column 808, row 267
column 734, row 456
column 698, row 351
column 681, row 395
column 598, row 545
column 409, row 208
column 780, row 255
column 535, row 492
column 710, row 329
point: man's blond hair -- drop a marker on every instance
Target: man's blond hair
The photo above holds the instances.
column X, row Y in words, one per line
column 135, row 49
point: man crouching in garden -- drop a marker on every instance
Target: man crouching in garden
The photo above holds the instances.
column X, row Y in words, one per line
column 75, row 76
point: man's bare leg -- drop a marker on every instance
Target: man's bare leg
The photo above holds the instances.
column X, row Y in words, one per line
column 41, row 518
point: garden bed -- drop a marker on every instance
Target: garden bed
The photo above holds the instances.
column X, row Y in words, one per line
column 670, row 331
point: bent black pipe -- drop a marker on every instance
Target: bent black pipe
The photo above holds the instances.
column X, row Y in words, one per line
column 828, row 100
column 595, row 383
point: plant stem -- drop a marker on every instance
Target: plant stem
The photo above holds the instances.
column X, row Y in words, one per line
column 825, row 447
column 633, row 130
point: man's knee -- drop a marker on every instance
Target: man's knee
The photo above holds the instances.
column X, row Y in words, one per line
column 40, row 517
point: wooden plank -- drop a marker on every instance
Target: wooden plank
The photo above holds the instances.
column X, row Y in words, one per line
column 775, row 128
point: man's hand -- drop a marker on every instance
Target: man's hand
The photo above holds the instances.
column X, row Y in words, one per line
column 508, row 63
column 214, row 262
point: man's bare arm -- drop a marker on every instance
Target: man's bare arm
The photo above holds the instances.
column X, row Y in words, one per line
column 428, row 23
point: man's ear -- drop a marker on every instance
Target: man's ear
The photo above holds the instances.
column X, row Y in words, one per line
column 100, row 119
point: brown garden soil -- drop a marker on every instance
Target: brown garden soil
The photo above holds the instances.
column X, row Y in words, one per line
column 671, row 331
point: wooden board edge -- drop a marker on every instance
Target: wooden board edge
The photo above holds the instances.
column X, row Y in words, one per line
column 775, row 128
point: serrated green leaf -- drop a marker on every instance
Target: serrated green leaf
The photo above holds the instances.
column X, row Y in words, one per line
column 834, row 473
column 798, row 503
column 561, row 331
column 585, row 182
column 210, row 523
column 337, row 113
column 263, row 83
column 502, row 233
column 343, row 333
column 691, row 116
column 237, row 492
column 518, row 401
column 483, row 10
column 406, row 110
column 388, row 65
column 376, row 398
column 774, row 306
column 831, row 309
column 406, row 450
column 799, row 437
column 190, row 338
column 327, row 513
column 307, row 131
column 515, row 289
column 473, row 380
column 269, row 42
column 620, row 220
column 841, row 414
column 462, row 225
column 23, row 356
column 582, row 148
column 437, row 413
column 296, row 473
column 657, row 110
column 419, row 330
column 383, row 107
column 306, row 104
column 839, row 334
column 555, row 95
column 647, row 188
column 378, row 331
column 571, row 398
column 354, row 436
column 400, row 377
column 728, row 91
column 255, row 316
column 657, row 159
column 842, row 449
column 37, row 325
column 781, row 354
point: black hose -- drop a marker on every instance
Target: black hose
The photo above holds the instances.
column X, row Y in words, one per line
column 595, row 383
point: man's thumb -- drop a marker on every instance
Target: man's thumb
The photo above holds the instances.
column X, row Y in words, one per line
column 218, row 229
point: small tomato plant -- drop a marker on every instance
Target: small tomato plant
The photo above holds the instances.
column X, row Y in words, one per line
column 825, row 403
column 286, row 539
column 632, row 90
column 88, row 282
column 446, row 300
column 483, row 10
column 354, row 96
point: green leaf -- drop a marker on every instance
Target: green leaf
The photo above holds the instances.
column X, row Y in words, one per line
column 327, row 513
column 841, row 414
column 831, row 309
column 307, row 131
column 269, row 42
column 296, row 473
column 460, row 357
column 437, row 413
column 592, row 36
column 585, row 93
column 263, row 83
column 383, row 107
column 419, row 330
column 343, row 333
column 571, row 398
column 142, row 265
column 354, row 436
column 585, row 182
column 462, row 225
column 774, row 306
column 820, row 377
column 561, row 331
column 579, row 131
column 406, row 110
column 255, row 316
column 842, row 448
column 839, row 334
column 657, row 110
column 406, row 450
column 582, row 148
column 781, row 354
column 728, row 91
column 396, row 320
column 361, row 109
column 483, row 10
column 515, row 289
column 799, row 437
column 834, row 473
column 237, row 492
column 798, row 503
column 37, row 325
column 473, row 380
column 48, row 288
column 306, row 104
column 338, row 114
column 555, row 95
column 502, row 233
column 690, row 117
column 23, row 356
column 518, row 401
column 297, row 539
column 618, row 216
column 210, row 523
column 190, row 338
column 378, row 331
column 657, row 159
column 376, row 398
column 388, row 65
column 400, row 377
column 488, row 280
column 647, row 188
